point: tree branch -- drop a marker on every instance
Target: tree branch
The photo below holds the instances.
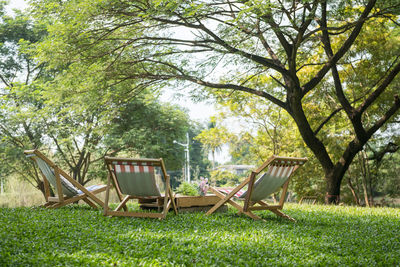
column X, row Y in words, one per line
column 380, row 89
column 342, row 50
column 385, row 117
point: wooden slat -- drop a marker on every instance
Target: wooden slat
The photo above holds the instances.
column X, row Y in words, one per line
column 123, row 203
column 191, row 201
column 53, row 199
column 264, row 207
column 249, row 191
column 58, row 182
column 105, row 207
column 109, row 160
column 81, row 187
column 233, row 203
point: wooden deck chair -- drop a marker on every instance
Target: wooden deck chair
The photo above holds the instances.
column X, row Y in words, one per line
column 136, row 179
column 309, row 200
column 274, row 174
column 67, row 190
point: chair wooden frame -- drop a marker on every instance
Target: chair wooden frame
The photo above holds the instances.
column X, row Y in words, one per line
column 248, row 205
column 60, row 199
column 165, row 201
column 310, row 200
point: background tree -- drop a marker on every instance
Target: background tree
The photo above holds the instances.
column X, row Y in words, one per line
column 20, row 87
column 148, row 128
column 267, row 131
column 44, row 108
column 213, row 139
column 198, row 155
column 309, row 48
column 369, row 176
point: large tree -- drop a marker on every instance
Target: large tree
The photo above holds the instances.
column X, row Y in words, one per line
column 309, row 48
column 75, row 130
column 19, row 75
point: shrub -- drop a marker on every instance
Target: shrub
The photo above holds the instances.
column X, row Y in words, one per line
column 188, row 189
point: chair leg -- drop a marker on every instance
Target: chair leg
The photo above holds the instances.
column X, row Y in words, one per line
column 240, row 209
column 283, row 215
column 90, row 203
column 233, row 203
column 173, row 201
column 166, row 205
column 47, row 204
column 219, row 203
column 122, row 204
column 164, row 214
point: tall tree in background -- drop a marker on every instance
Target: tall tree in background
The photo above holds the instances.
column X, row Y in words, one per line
column 43, row 108
column 346, row 51
column 147, row 128
column 19, row 91
column 271, row 130
column 214, row 138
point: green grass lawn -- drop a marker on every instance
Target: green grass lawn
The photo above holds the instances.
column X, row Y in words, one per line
column 322, row 235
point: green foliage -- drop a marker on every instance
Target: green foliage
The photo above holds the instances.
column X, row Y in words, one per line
column 389, row 176
column 213, row 139
column 147, row 128
column 331, row 65
column 20, row 95
column 322, row 235
column 188, row 189
column 74, row 110
column 224, row 178
column 199, row 162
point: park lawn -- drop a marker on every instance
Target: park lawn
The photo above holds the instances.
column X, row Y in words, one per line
column 322, row 235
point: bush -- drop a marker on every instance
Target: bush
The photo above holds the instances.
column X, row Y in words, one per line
column 224, row 178
column 188, row 189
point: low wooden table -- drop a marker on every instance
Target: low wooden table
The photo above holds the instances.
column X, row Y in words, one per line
column 198, row 203
column 189, row 203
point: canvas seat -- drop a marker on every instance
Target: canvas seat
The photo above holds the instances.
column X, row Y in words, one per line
column 66, row 189
column 274, row 174
column 136, row 179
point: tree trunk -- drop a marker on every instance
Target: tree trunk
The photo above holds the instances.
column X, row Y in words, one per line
column 353, row 192
column 369, row 179
column 364, row 178
column 334, row 173
column 332, row 188
column 334, row 176
column 213, row 159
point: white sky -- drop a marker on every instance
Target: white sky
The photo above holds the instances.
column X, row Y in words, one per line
column 18, row 4
column 197, row 111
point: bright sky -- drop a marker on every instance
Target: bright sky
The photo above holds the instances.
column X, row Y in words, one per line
column 18, row 4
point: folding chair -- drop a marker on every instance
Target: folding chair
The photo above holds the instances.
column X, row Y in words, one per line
column 136, row 179
column 277, row 174
column 66, row 188
column 309, row 200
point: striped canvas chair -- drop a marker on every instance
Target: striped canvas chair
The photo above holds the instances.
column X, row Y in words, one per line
column 67, row 190
column 308, row 200
column 274, row 175
column 136, row 179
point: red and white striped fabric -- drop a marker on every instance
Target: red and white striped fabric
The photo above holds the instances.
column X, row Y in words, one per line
column 227, row 190
column 125, row 167
column 133, row 169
